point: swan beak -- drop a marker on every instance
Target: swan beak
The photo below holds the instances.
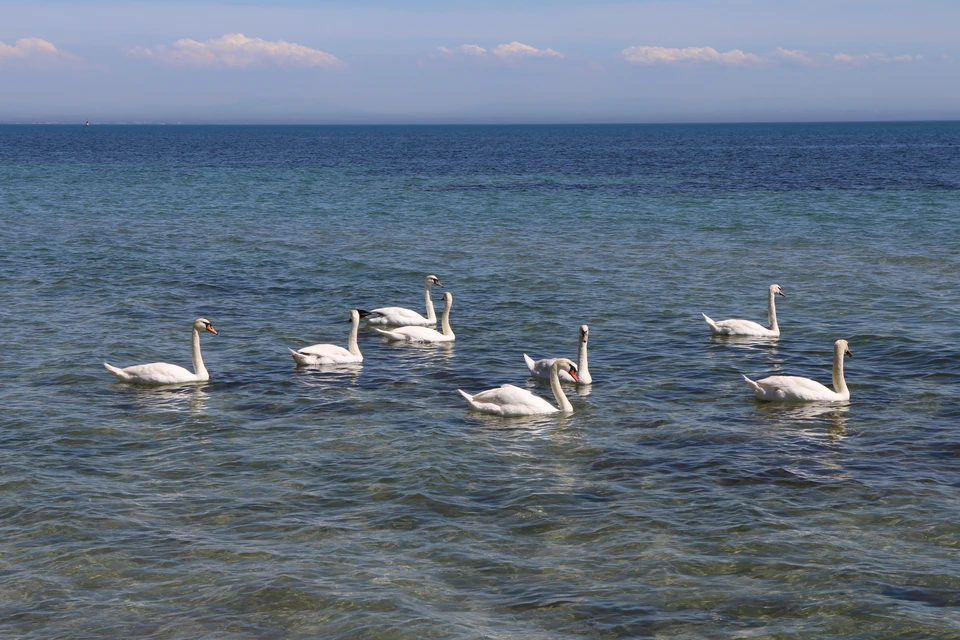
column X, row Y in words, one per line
column 211, row 329
column 438, row 283
column 782, row 293
column 573, row 374
column 848, row 352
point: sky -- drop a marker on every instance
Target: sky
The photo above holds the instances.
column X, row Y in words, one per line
column 479, row 61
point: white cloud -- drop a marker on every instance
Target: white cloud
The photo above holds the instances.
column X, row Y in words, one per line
column 464, row 49
column 667, row 55
column 236, row 51
column 520, row 50
column 34, row 50
column 862, row 59
column 792, row 55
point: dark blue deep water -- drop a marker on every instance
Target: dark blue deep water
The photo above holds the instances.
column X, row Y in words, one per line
column 367, row 502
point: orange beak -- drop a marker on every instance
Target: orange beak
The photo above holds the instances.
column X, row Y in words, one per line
column 211, row 329
column 573, row 374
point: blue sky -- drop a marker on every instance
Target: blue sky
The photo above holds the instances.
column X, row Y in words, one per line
column 479, row 61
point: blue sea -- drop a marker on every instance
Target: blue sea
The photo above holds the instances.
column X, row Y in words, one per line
column 367, row 501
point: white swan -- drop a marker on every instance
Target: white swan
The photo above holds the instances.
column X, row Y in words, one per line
column 160, row 373
column 541, row 368
column 425, row 334
column 748, row 327
column 331, row 353
column 509, row 400
column 796, row 389
column 401, row 317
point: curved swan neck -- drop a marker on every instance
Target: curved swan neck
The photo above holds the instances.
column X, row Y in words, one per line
column 447, row 331
column 772, row 310
column 428, row 300
column 583, row 373
column 352, row 341
column 839, row 383
column 558, row 393
column 198, row 367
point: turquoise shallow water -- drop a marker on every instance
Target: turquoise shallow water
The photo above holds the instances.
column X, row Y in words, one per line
column 367, row 502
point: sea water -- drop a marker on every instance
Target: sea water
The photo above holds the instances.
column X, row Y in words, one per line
column 367, row 501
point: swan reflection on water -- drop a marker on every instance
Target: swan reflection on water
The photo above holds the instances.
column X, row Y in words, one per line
column 192, row 398
column 320, row 375
column 806, row 416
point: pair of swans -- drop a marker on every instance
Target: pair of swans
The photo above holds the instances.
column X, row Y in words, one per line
column 425, row 334
column 512, row 401
column 748, row 327
column 163, row 373
column 402, row 317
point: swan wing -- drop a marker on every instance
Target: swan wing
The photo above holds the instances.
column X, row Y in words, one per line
column 155, row 373
column 738, row 327
column 398, row 316
column 324, row 354
column 509, row 400
column 794, row 388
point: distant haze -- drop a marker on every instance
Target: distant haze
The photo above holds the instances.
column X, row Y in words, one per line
column 466, row 61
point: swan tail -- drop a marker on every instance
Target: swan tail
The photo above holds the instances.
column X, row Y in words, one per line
column 713, row 325
column 120, row 373
column 300, row 358
column 530, row 363
column 468, row 398
column 753, row 385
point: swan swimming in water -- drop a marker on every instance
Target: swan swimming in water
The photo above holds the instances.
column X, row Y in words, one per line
column 748, row 327
column 161, row 373
column 401, row 317
column 541, row 368
column 425, row 334
column 511, row 401
column 331, row 353
column 797, row 389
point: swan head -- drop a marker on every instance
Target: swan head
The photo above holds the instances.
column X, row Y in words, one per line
column 843, row 347
column 433, row 280
column 448, row 298
column 563, row 364
column 584, row 333
column 201, row 324
column 775, row 288
column 356, row 314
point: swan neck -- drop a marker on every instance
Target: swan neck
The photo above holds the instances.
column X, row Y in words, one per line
column 557, row 388
column 198, row 367
column 428, row 301
column 772, row 310
column 447, row 331
column 352, row 346
column 839, row 383
column 583, row 373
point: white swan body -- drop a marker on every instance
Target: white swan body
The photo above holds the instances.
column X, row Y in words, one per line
column 748, row 327
column 331, row 353
column 162, row 373
column 401, row 317
column 511, row 401
column 425, row 334
column 797, row 389
column 541, row 368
